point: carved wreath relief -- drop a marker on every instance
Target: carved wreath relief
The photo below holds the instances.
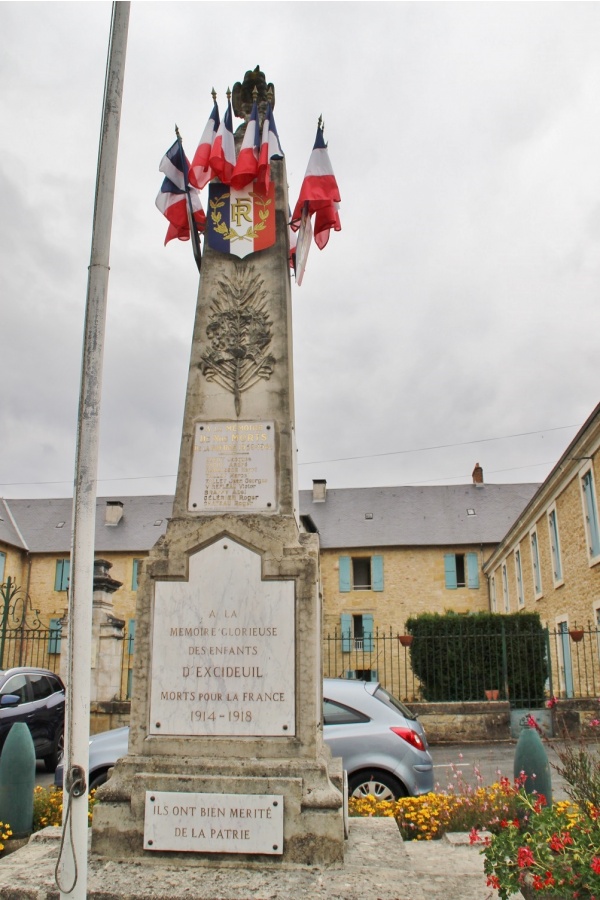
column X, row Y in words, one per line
column 239, row 334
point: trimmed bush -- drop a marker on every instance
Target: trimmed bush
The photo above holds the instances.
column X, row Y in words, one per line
column 458, row 658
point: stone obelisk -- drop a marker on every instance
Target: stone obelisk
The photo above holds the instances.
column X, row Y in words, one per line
column 226, row 759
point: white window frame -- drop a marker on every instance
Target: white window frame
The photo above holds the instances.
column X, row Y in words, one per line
column 505, row 594
column 519, row 577
column 493, row 592
column 555, row 552
column 535, row 563
column 593, row 559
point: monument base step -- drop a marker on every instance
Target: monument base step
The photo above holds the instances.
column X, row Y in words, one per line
column 376, row 864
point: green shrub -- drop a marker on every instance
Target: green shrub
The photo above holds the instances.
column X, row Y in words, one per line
column 458, row 658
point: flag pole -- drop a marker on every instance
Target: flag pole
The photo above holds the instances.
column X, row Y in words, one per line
column 72, row 866
column 193, row 227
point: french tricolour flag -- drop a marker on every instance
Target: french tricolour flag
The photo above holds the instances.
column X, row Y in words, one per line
column 172, row 197
column 319, row 194
column 200, row 171
column 270, row 148
column 222, row 157
column 246, row 167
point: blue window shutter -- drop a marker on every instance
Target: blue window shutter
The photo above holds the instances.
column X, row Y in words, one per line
column 367, row 622
column 61, row 581
column 472, row 570
column 130, row 636
column 349, row 674
column 377, row 573
column 592, row 514
column 134, row 575
column 54, row 636
column 345, row 574
column 346, row 632
column 2, row 566
column 450, row 571
column 374, row 675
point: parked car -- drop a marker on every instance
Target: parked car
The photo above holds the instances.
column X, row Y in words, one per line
column 36, row 697
column 382, row 744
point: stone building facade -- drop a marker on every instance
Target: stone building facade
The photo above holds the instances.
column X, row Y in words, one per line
column 549, row 559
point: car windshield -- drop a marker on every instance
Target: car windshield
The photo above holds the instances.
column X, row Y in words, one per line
column 394, row 703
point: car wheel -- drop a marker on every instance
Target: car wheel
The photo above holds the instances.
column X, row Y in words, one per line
column 97, row 780
column 378, row 784
column 51, row 761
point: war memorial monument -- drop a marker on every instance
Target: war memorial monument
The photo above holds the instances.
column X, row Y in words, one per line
column 226, row 760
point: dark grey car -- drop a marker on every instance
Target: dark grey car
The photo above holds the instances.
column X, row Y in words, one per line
column 36, row 697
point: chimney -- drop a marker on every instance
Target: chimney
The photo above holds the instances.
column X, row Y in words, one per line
column 319, row 490
column 114, row 512
column 478, row 475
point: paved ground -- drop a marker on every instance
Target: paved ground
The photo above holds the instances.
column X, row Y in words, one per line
column 378, row 866
column 453, row 763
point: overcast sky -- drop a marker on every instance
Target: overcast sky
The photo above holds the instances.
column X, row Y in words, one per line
column 458, row 308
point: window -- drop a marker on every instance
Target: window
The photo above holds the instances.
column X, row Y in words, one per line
column 554, row 545
column 54, row 635
column 505, row 588
column 2, row 566
column 337, row 714
column 519, row 576
column 357, row 632
column 590, row 511
column 134, row 574
column 461, row 570
column 17, row 685
column 61, row 580
column 535, row 563
column 493, row 593
column 40, row 686
column 361, row 573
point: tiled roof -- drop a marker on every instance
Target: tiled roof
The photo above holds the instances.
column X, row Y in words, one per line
column 349, row 517
column 416, row 516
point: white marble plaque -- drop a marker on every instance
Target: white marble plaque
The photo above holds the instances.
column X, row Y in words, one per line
column 223, row 660
column 214, row 823
column 233, row 467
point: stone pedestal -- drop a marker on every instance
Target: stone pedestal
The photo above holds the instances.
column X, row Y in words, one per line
column 226, row 761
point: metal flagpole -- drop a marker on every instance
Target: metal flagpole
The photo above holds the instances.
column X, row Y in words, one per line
column 71, row 869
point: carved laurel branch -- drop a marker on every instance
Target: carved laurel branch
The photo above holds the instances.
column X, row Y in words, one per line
column 239, row 334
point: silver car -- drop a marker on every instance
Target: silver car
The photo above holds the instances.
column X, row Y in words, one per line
column 382, row 744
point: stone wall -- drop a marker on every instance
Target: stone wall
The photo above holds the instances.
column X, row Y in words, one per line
column 448, row 723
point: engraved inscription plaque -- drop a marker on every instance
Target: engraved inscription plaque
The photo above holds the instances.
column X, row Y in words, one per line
column 214, row 823
column 223, row 649
column 233, row 467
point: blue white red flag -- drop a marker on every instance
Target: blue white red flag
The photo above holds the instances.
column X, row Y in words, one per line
column 200, row 171
column 222, row 157
column 246, row 167
column 270, row 148
column 240, row 222
column 172, row 198
column 320, row 191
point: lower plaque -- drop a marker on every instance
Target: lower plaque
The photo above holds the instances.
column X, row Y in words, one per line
column 214, row 823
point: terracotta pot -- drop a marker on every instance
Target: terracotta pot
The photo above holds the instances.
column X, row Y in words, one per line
column 405, row 639
column 492, row 694
column 576, row 634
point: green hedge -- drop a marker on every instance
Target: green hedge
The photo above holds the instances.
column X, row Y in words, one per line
column 458, row 658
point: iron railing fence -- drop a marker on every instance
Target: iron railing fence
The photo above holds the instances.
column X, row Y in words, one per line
column 526, row 668
column 25, row 646
column 568, row 662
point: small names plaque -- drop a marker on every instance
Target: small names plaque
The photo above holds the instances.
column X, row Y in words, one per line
column 214, row 823
column 233, row 467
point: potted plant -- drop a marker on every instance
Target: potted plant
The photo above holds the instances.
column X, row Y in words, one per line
column 576, row 634
column 492, row 694
column 405, row 639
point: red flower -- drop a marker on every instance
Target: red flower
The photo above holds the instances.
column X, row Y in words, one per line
column 494, row 882
column 473, row 836
column 525, row 858
column 596, row 864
